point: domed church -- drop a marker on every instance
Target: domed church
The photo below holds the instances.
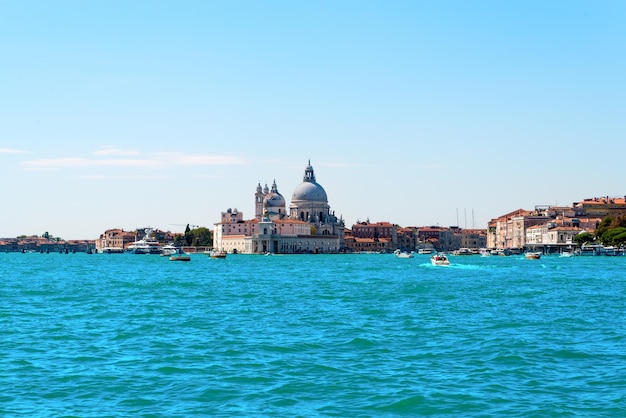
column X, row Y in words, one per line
column 308, row 227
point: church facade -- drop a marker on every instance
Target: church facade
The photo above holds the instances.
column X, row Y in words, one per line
column 306, row 226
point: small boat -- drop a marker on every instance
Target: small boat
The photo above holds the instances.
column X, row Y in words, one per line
column 533, row 255
column 113, row 250
column 425, row 251
column 463, row 251
column 217, row 254
column 403, row 254
column 168, row 250
column 180, row 255
column 439, row 260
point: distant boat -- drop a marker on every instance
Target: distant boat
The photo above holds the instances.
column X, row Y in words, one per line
column 403, row 254
column 533, row 255
column 425, row 251
column 439, row 260
column 217, row 254
column 113, row 250
column 463, row 251
column 147, row 245
column 168, row 250
column 180, row 255
column 592, row 249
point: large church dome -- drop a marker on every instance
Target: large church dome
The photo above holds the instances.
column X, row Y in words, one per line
column 309, row 189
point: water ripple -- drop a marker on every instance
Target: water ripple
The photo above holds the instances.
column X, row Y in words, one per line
column 354, row 335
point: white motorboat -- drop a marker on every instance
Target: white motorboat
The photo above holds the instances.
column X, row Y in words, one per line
column 440, row 260
column 217, row 254
column 403, row 254
column 168, row 250
column 463, row 251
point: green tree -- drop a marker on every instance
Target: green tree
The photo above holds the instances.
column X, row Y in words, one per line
column 200, row 237
column 620, row 239
column 614, row 236
column 604, row 226
column 619, row 221
column 583, row 238
column 188, row 235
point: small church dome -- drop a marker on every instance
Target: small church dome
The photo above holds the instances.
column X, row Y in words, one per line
column 274, row 199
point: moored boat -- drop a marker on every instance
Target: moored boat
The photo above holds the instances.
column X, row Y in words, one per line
column 463, row 251
column 533, row 255
column 113, row 250
column 403, row 254
column 217, row 254
column 180, row 255
column 147, row 245
column 168, row 250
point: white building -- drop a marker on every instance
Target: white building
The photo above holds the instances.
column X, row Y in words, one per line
column 308, row 227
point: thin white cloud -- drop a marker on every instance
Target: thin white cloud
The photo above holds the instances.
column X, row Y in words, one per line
column 47, row 163
column 339, row 164
column 200, row 159
column 114, row 151
column 12, row 151
column 107, row 177
column 206, row 176
column 159, row 160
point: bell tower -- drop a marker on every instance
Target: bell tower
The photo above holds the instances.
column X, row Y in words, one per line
column 258, row 202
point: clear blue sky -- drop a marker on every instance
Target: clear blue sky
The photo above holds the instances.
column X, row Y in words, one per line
column 151, row 113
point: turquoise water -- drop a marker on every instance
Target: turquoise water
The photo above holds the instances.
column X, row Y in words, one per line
column 312, row 335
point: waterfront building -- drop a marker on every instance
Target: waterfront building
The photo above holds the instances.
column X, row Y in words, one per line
column 600, row 207
column 509, row 230
column 441, row 238
column 308, row 227
column 407, row 238
column 548, row 227
column 534, row 235
column 117, row 239
column 367, row 245
column 44, row 245
column 377, row 237
column 551, row 237
column 473, row 238
column 560, row 235
column 519, row 225
column 114, row 239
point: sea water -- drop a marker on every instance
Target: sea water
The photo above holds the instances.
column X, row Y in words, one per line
column 120, row 335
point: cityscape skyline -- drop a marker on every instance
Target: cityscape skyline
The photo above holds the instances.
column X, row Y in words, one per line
column 125, row 115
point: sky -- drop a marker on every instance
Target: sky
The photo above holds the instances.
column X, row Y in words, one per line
column 128, row 114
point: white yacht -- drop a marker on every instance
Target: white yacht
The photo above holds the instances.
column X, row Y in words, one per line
column 147, row 245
